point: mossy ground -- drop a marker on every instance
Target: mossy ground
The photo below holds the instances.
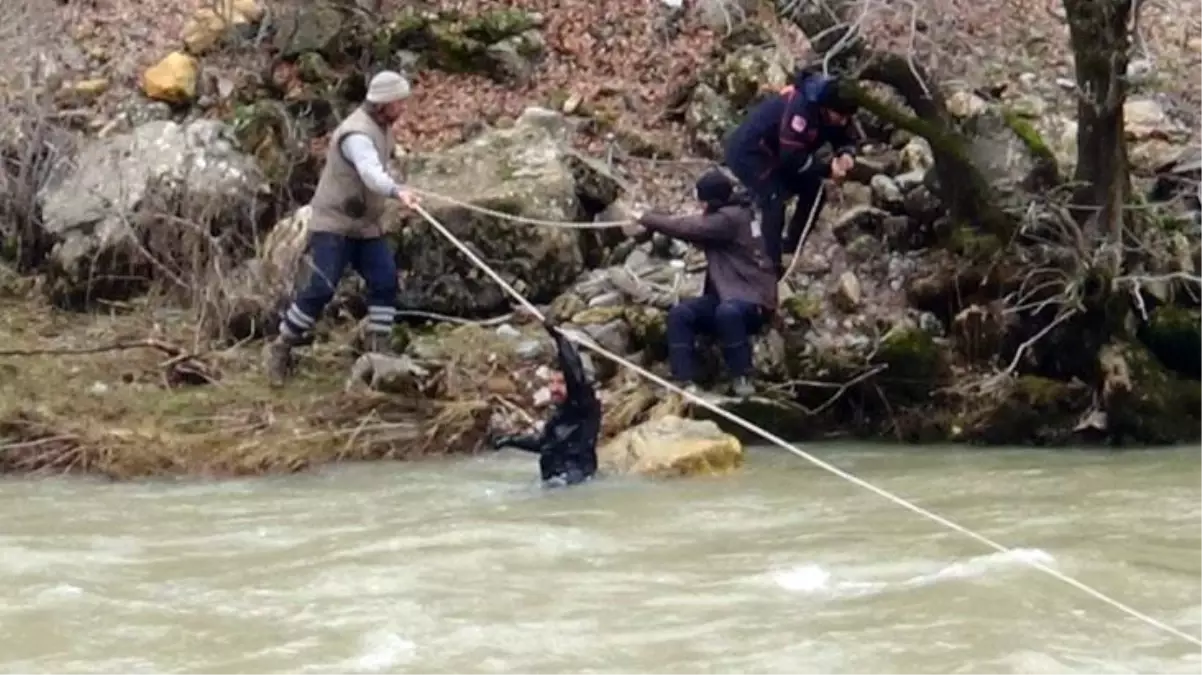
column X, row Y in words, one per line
column 119, row 413
column 142, row 412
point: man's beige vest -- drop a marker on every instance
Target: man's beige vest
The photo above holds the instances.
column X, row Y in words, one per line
column 342, row 204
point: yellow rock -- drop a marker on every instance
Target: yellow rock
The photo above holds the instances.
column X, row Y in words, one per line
column 244, row 11
column 93, row 87
column 204, row 30
column 172, row 80
column 672, row 446
column 208, row 25
column 84, row 91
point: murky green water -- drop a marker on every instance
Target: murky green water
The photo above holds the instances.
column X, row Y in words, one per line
column 466, row 566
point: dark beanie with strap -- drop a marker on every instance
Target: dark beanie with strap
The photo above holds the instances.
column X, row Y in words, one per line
column 715, row 189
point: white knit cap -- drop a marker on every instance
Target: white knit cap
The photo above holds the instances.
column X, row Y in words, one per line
column 387, row 87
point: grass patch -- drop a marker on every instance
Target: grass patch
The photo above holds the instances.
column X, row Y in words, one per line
column 129, row 412
column 123, row 414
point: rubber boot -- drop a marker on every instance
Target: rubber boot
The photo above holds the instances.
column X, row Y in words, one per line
column 742, row 387
column 378, row 343
column 279, row 360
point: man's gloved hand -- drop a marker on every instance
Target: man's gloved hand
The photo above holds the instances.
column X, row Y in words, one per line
column 498, row 442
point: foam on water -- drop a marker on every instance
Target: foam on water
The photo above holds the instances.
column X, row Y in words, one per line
column 813, row 578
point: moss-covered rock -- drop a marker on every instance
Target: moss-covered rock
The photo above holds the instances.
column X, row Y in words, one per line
column 802, row 307
column 312, row 67
column 1010, row 154
column 482, row 43
column 968, row 242
column 744, row 73
column 1027, row 410
column 1174, row 336
column 597, row 316
column 648, row 330
column 917, row 365
column 273, row 136
column 565, row 306
column 1145, row 404
column 709, row 117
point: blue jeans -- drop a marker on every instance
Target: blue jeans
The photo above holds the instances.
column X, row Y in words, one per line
column 733, row 322
column 371, row 258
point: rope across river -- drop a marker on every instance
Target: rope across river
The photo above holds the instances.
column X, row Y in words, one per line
column 776, row 440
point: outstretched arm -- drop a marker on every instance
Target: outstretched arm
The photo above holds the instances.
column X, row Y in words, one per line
column 572, row 366
column 528, row 442
column 709, row 227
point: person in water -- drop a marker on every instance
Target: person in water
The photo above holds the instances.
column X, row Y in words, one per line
column 567, row 445
column 739, row 296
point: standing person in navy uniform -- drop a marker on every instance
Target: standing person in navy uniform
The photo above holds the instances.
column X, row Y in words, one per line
column 772, row 153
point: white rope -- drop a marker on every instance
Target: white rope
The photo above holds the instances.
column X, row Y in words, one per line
column 763, row 433
column 801, row 240
column 560, row 224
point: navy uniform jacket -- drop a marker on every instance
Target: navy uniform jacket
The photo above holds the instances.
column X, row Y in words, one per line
column 777, row 140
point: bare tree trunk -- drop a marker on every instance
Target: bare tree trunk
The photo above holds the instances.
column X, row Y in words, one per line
column 1100, row 40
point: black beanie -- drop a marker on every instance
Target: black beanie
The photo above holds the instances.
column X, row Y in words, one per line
column 836, row 98
column 714, row 188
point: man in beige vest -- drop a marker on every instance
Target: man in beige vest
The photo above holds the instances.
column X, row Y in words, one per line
column 351, row 196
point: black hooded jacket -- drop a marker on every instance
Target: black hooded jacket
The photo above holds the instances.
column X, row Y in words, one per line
column 567, row 445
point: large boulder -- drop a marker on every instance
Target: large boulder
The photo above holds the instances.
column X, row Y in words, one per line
column 671, row 446
column 145, row 194
column 524, row 171
column 1007, row 148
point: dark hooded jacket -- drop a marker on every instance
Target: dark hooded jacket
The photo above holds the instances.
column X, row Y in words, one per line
column 777, row 140
column 567, row 445
column 737, row 268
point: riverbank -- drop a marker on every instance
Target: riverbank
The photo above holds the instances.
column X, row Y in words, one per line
column 134, row 394
column 148, row 402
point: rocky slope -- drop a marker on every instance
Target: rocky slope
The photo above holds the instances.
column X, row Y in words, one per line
column 898, row 322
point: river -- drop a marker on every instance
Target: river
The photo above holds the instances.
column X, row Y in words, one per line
column 466, row 566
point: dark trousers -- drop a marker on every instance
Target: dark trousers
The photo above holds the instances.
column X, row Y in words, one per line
column 733, row 322
column 371, row 258
column 779, row 239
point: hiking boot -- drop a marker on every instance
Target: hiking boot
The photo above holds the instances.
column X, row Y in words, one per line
column 377, row 343
column 279, row 361
column 742, row 387
column 694, row 391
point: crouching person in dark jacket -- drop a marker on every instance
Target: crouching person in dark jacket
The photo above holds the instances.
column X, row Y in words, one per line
column 567, row 446
column 739, row 296
column 772, row 154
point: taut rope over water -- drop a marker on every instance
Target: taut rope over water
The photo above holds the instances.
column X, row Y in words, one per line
column 776, row 440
